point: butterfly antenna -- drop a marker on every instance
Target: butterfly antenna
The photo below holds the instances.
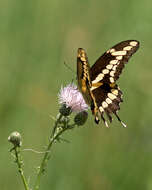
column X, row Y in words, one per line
column 68, row 67
column 123, row 124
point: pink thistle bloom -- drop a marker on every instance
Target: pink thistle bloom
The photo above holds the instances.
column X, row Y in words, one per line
column 71, row 96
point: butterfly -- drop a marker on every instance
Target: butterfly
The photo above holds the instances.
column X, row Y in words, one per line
column 98, row 83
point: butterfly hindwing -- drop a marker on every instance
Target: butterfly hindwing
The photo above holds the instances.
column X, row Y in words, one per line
column 97, row 84
column 108, row 101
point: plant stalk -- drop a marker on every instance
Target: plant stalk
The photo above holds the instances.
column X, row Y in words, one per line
column 54, row 136
column 20, row 169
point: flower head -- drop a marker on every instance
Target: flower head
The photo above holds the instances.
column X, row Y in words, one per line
column 81, row 118
column 71, row 96
column 15, row 139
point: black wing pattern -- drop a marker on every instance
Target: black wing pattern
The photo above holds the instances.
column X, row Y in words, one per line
column 111, row 63
column 97, row 83
column 107, row 101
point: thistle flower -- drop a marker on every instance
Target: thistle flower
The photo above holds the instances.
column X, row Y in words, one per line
column 72, row 98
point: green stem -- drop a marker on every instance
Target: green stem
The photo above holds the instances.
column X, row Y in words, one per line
column 56, row 124
column 20, row 169
column 55, row 135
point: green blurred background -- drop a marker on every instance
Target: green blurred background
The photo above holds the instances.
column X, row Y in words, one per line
column 36, row 37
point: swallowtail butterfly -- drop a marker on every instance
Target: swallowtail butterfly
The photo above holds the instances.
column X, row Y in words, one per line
column 98, row 83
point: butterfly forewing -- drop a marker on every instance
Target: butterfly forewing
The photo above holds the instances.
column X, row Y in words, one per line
column 109, row 66
column 83, row 75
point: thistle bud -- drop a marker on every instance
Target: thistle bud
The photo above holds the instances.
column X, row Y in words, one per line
column 15, row 139
column 81, row 118
column 65, row 110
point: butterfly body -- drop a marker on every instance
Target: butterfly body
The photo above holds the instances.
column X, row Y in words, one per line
column 98, row 83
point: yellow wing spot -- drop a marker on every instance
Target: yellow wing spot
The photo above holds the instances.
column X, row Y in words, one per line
column 113, row 62
column 119, row 53
column 84, row 87
column 85, row 76
column 119, row 57
column 112, row 50
column 104, row 104
column 108, row 100
column 127, row 48
column 93, row 88
column 78, row 55
column 112, row 96
column 112, row 73
column 109, row 67
column 96, row 85
column 133, row 43
column 111, row 79
column 85, row 69
column 105, row 71
column 114, row 68
column 112, row 85
column 83, row 54
column 101, row 109
column 114, row 91
column 83, row 59
column 98, row 78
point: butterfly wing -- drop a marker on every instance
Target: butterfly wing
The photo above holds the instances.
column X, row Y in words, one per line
column 109, row 66
column 83, row 75
column 107, row 101
column 97, row 83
